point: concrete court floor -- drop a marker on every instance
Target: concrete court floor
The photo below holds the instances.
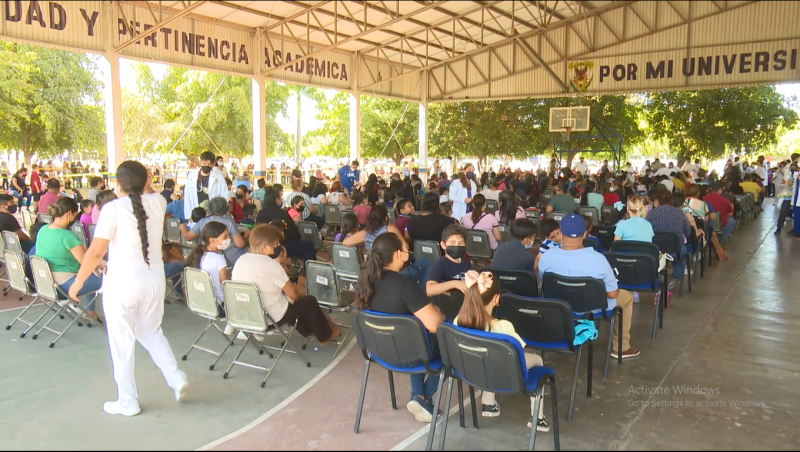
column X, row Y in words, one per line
column 732, row 334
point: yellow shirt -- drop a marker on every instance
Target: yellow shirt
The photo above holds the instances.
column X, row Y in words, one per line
column 500, row 327
column 751, row 187
column 679, row 185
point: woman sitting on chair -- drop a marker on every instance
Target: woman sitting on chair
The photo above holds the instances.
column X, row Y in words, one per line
column 383, row 288
column 64, row 251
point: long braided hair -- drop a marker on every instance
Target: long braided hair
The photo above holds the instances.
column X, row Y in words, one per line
column 131, row 177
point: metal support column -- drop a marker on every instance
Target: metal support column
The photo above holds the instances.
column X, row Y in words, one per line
column 112, row 94
column 355, row 113
column 423, row 127
column 259, row 106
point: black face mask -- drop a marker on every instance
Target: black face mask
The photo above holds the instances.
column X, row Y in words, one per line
column 276, row 253
column 301, row 208
column 205, row 169
column 12, row 209
column 456, row 251
column 239, row 196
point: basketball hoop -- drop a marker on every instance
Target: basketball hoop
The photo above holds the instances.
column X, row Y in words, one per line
column 565, row 133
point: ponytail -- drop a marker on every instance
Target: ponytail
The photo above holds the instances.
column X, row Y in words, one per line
column 131, row 177
column 211, row 230
column 478, row 201
column 382, row 254
column 376, row 218
column 473, row 313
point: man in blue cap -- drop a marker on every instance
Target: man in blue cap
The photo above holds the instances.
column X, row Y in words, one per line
column 572, row 259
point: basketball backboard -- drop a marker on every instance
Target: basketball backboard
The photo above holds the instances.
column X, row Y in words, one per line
column 576, row 118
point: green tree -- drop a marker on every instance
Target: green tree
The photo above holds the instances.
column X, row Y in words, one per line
column 332, row 139
column 379, row 117
column 713, row 123
column 300, row 92
column 50, row 101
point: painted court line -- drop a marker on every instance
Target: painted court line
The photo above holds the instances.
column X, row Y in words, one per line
column 424, row 430
column 287, row 401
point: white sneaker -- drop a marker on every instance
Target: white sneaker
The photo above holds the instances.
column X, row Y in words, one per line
column 131, row 408
column 229, row 330
column 688, row 272
column 181, row 390
column 421, row 414
column 241, row 336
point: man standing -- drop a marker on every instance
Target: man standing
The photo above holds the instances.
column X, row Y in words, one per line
column 582, row 167
column 348, row 176
column 203, row 184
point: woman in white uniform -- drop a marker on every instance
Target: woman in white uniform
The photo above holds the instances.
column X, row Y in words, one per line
column 134, row 284
column 462, row 190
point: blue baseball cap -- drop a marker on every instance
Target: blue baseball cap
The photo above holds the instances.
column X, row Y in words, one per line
column 573, row 226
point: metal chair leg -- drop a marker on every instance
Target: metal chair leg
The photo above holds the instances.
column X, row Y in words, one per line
column 535, row 417
column 608, row 348
column 574, row 383
column 619, row 337
column 554, row 402
column 474, row 407
column 688, row 270
column 589, row 369
column 461, row 422
column 361, row 397
column 445, row 413
column 391, row 390
column 435, row 417
column 202, row 333
column 656, row 312
column 219, row 356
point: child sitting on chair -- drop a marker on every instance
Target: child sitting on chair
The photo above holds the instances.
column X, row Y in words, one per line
column 589, row 224
column 198, row 213
column 482, row 297
column 249, row 212
column 207, row 256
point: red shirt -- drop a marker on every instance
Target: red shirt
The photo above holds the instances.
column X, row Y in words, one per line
column 236, row 211
column 47, row 200
column 721, row 206
column 36, row 183
column 610, row 198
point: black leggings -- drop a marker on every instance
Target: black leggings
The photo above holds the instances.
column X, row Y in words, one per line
column 310, row 319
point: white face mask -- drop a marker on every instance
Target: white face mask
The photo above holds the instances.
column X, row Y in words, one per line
column 224, row 244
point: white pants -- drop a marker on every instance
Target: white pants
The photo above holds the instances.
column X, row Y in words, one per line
column 531, row 360
column 135, row 313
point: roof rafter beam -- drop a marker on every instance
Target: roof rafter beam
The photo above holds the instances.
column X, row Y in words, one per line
column 303, row 25
column 354, row 37
column 158, row 26
column 536, row 58
column 466, row 19
column 513, row 17
column 547, row 10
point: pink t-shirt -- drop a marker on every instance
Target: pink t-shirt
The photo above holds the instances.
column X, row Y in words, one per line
column 520, row 214
column 47, row 200
column 95, row 214
column 487, row 222
column 86, row 220
column 361, row 212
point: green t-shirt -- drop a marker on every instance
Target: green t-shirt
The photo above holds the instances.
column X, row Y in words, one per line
column 563, row 203
column 54, row 244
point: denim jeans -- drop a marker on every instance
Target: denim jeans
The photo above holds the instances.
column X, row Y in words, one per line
column 92, row 284
column 418, row 270
column 21, row 196
column 173, row 271
column 726, row 231
column 425, row 385
column 677, row 263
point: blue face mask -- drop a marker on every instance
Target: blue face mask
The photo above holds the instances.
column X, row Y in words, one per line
column 529, row 246
column 470, row 175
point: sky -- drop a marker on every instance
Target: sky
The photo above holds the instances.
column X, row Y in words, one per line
column 308, row 121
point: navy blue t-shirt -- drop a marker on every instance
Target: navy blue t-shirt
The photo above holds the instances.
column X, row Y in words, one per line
column 444, row 270
column 513, row 256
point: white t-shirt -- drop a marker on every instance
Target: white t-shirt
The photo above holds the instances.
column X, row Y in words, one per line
column 212, row 263
column 665, row 171
column 118, row 225
column 669, row 184
column 268, row 276
column 581, row 167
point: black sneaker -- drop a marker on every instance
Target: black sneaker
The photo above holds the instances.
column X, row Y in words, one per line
column 777, row 232
column 491, row 410
column 541, row 425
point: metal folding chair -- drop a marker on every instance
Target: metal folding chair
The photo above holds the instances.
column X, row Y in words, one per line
column 49, row 291
column 15, row 264
column 426, row 249
column 77, row 229
column 322, row 283
column 491, row 206
column 44, row 218
column 172, row 230
column 202, row 301
column 310, row 233
column 11, row 242
column 558, row 216
column 245, row 313
column 592, row 213
column 91, row 232
column 7, row 288
column 478, row 247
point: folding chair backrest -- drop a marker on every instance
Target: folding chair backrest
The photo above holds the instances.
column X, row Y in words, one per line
column 77, row 229
column 243, row 307
column 186, row 248
column 533, row 215
column 43, row 279
column 478, row 246
column 392, row 215
column 544, row 200
column 91, row 231
column 631, row 246
column 537, row 221
column 558, row 216
column 491, row 206
column 428, row 250
column 487, row 361
column 518, row 282
column 717, row 223
column 346, row 260
column 450, row 303
column 332, row 214
column 15, row 262
column 44, row 218
column 310, row 233
column 610, row 214
column 634, row 268
column 321, row 283
column 394, row 339
column 241, row 228
column 344, row 212
column 2, row 249
column 668, row 242
column 505, row 233
column 173, row 230
column 11, row 242
column 751, row 199
column 200, row 295
column 582, row 294
column 605, row 234
column 539, row 320
column 592, row 213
